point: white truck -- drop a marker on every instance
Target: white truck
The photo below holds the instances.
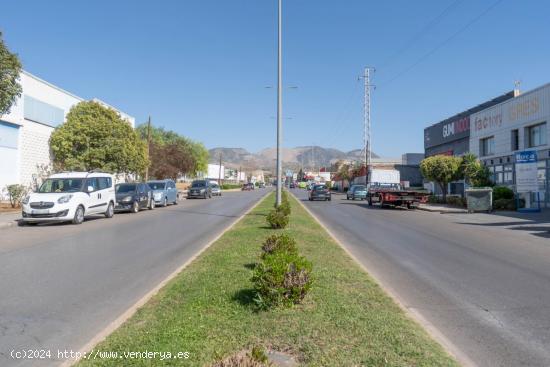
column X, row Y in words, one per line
column 384, row 188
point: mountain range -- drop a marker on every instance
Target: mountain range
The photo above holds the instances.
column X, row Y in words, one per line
column 309, row 157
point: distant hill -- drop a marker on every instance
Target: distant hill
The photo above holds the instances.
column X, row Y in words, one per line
column 308, row 157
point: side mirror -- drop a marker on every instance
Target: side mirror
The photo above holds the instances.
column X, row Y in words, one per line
column 90, row 188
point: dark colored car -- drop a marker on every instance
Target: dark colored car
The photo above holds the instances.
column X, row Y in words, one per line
column 319, row 192
column 200, row 189
column 261, row 185
column 248, row 186
column 133, row 197
column 292, row 185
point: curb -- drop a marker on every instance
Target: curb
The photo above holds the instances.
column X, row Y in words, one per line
column 444, row 211
column 116, row 323
column 432, row 331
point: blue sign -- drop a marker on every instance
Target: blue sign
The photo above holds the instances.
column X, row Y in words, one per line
column 526, row 156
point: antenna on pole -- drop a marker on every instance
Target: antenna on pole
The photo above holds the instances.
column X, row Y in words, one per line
column 367, row 137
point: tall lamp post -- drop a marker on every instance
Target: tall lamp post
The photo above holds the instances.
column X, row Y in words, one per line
column 279, row 105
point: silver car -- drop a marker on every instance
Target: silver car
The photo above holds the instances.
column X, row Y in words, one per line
column 216, row 189
column 164, row 192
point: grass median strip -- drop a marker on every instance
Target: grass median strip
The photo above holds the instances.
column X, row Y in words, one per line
column 208, row 309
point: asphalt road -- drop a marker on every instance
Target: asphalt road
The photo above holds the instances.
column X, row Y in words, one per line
column 62, row 284
column 483, row 281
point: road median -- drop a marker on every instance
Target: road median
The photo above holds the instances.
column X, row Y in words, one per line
column 207, row 311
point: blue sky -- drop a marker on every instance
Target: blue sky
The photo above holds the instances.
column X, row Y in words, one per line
column 201, row 67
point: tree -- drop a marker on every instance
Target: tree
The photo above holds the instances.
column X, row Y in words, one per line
column 473, row 171
column 96, row 137
column 10, row 68
column 441, row 169
column 173, row 155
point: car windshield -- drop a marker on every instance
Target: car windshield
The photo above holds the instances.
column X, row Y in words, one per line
column 124, row 188
column 198, row 184
column 360, row 188
column 52, row 185
column 156, row 185
column 320, row 188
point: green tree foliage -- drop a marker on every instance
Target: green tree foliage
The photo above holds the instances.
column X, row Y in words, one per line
column 96, row 137
column 441, row 169
column 173, row 155
column 10, row 67
column 473, row 171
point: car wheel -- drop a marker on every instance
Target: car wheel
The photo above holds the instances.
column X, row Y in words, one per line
column 78, row 215
column 135, row 207
column 165, row 202
column 110, row 211
column 152, row 204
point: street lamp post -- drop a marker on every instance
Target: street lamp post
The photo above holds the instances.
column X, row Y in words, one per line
column 279, row 105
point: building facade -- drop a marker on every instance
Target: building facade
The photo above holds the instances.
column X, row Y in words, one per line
column 519, row 124
column 452, row 137
column 26, row 130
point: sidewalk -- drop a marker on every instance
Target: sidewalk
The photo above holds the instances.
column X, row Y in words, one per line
column 9, row 219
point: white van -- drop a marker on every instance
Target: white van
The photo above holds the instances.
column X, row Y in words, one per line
column 70, row 196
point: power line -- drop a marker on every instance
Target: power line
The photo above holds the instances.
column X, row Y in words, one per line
column 440, row 45
column 417, row 36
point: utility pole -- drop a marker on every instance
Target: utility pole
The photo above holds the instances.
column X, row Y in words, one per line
column 367, row 138
column 220, row 171
column 148, row 146
column 279, row 103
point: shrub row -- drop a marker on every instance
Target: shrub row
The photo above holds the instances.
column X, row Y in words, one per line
column 282, row 277
column 227, row 186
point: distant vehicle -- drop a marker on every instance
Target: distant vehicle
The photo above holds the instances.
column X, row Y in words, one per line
column 384, row 188
column 357, row 192
column 292, row 185
column 164, row 192
column 216, row 189
column 261, row 185
column 200, row 189
column 133, row 196
column 319, row 192
column 248, row 186
column 302, row 185
column 69, row 197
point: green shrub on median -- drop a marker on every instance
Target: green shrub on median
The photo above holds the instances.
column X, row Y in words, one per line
column 279, row 243
column 281, row 278
column 277, row 219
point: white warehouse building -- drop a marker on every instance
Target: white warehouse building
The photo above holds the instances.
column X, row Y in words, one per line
column 501, row 133
column 26, row 130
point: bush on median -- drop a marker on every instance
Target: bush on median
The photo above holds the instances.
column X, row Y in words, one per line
column 282, row 278
column 277, row 219
column 279, row 243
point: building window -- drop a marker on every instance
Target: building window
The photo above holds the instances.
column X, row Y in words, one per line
column 515, row 139
column 487, row 146
column 536, row 135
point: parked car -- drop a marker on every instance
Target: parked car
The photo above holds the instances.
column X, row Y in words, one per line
column 133, row 196
column 164, row 192
column 216, row 189
column 292, row 185
column 248, row 186
column 319, row 192
column 261, row 185
column 357, row 192
column 200, row 189
column 70, row 196
column 302, row 185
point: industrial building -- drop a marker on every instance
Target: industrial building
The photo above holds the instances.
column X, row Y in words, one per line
column 452, row 137
column 504, row 134
column 26, row 130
